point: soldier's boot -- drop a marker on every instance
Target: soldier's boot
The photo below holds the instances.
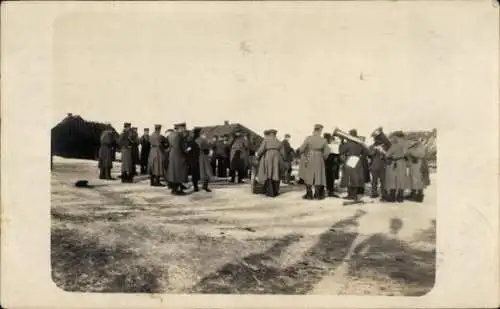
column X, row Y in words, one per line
column 419, row 198
column 101, row 174
column 391, row 196
column 158, row 183
column 124, row 177
column 309, row 193
column 400, row 196
column 269, row 188
column 384, row 198
column 276, row 188
column 195, row 186
column 152, row 181
column 108, row 174
column 320, row 190
column 413, row 195
column 205, row 186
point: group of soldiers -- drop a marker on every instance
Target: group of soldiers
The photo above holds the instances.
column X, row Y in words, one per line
column 397, row 164
column 391, row 166
column 175, row 156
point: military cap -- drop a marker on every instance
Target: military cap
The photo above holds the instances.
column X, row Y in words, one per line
column 266, row 132
column 273, row 131
column 353, row 132
column 157, row 127
column 318, row 127
column 287, row 135
column 147, row 129
column 327, row 136
column 127, row 125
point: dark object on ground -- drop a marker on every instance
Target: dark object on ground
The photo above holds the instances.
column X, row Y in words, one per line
column 82, row 184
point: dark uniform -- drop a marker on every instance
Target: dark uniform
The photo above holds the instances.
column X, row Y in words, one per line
column 204, row 162
column 134, row 144
column 354, row 173
column 395, row 175
column 177, row 170
column 377, row 168
column 145, row 149
column 125, row 143
column 239, row 157
column 193, row 157
column 288, row 156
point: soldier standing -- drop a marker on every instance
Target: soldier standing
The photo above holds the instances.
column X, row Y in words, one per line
column 106, row 153
column 125, row 142
column 416, row 155
column 145, row 149
column 156, row 158
column 288, row 156
column 239, row 157
column 135, row 148
column 269, row 156
column 193, row 157
column 316, row 150
column 395, row 173
column 353, row 168
column 177, row 170
column 204, row 161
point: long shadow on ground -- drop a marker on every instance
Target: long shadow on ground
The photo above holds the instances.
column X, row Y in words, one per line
column 402, row 263
column 79, row 263
column 258, row 276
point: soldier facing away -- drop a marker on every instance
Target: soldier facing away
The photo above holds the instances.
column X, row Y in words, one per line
column 269, row 156
column 105, row 163
column 156, row 158
column 177, row 170
column 125, row 142
column 315, row 150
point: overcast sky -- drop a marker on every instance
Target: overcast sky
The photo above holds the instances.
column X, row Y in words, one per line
column 283, row 66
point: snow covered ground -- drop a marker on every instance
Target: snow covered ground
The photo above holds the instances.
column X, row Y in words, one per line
column 136, row 238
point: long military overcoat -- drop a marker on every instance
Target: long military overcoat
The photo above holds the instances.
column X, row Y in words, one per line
column 156, row 159
column 106, row 150
column 270, row 159
column 353, row 176
column 396, row 177
column 177, row 170
column 316, row 150
column 416, row 154
column 206, row 173
column 126, row 152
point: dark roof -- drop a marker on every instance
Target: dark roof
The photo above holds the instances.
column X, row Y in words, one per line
column 220, row 130
column 75, row 137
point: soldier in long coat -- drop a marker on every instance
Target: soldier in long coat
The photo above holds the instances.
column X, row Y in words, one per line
column 166, row 148
column 145, row 149
column 177, row 170
column 204, row 161
column 316, row 150
column 395, row 171
column 353, row 167
column 156, row 158
column 135, row 149
column 125, row 143
column 239, row 157
column 193, row 157
column 105, row 163
column 415, row 154
column 288, row 156
column 377, row 168
column 269, row 156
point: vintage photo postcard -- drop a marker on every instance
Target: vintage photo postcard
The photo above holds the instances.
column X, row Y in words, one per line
column 221, row 154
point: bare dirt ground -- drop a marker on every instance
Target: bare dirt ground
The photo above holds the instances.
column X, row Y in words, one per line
column 135, row 238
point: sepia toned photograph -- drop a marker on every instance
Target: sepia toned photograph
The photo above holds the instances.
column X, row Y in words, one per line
column 249, row 154
column 227, row 160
